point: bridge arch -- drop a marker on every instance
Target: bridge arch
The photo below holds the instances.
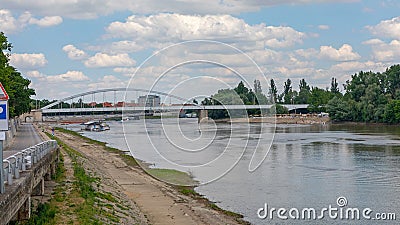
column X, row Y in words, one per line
column 112, row 90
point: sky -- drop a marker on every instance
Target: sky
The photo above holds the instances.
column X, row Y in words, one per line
column 193, row 48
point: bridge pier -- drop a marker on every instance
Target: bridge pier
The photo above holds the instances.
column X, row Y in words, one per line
column 203, row 114
column 24, row 213
column 39, row 189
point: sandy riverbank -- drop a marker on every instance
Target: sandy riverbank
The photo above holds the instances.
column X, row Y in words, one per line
column 149, row 201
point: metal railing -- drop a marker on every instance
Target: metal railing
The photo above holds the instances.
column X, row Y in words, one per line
column 25, row 159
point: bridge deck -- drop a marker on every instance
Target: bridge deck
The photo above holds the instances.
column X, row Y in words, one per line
column 168, row 108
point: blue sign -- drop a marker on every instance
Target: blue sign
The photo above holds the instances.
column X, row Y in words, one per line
column 3, row 111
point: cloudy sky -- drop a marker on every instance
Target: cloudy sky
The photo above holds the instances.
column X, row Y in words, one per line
column 67, row 47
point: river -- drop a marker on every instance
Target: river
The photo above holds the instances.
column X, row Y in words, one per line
column 308, row 166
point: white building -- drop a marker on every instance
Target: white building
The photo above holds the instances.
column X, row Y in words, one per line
column 149, row 100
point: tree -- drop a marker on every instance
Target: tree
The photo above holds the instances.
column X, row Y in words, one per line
column 392, row 112
column 16, row 86
column 280, row 109
column 287, row 92
column 261, row 99
column 257, row 86
column 304, row 92
column 393, row 81
column 273, row 92
column 318, row 99
column 339, row 109
column 334, row 86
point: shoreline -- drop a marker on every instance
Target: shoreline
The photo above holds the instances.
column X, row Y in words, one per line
column 298, row 119
column 197, row 209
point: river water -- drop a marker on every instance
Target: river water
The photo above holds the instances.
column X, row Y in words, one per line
column 308, row 166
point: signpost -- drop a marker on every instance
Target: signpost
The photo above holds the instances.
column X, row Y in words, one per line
column 3, row 127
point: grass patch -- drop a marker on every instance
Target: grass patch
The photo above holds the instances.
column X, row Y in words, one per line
column 44, row 214
column 188, row 191
column 89, row 211
column 172, row 176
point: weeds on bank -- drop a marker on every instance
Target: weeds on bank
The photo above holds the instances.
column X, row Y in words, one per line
column 45, row 214
column 88, row 210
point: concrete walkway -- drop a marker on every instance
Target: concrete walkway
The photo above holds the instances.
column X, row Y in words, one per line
column 25, row 137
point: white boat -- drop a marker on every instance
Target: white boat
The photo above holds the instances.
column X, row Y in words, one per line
column 96, row 126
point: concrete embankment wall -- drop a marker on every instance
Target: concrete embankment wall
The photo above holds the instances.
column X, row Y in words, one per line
column 10, row 134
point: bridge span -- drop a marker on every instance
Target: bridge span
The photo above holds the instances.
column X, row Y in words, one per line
column 167, row 108
column 63, row 108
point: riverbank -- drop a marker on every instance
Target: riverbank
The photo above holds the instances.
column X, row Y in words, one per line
column 149, row 200
column 286, row 119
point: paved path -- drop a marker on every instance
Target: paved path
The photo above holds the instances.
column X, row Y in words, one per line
column 25, row 137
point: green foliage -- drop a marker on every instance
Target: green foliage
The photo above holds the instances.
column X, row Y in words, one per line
column 172, row 176
column 240, row 95
column 16, row 86
column 304, row 92
column 287, row 94
column 392, row 112
column 339, row 110
column 318, row 99
column 280, row 109
column 370, row 97
column 44, row 215
column 273, row 92
column 334, row 86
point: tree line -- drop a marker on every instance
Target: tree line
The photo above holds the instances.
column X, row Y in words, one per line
column 16, row 86
column 371, row 97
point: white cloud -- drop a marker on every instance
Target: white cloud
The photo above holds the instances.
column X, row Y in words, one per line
column 354, row 67
column 74, row 53
column 118, row 47
column 11, row 24
column 35, row 74
column 105, row 60
column 387, row 28
column 165, row 27
column 108, row 81
column 373, row 41
column 323, row 27
column 47, row 21
column 8, row 23
column 307, row 53
column 386, row 52
column 68, row 76
column 92, row 9
column 57, row 86
column 28, row 61
column 344, row 53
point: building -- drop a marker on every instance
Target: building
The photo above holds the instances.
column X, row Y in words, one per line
column 120, row 104
column 149, row 100
column 107, row 104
